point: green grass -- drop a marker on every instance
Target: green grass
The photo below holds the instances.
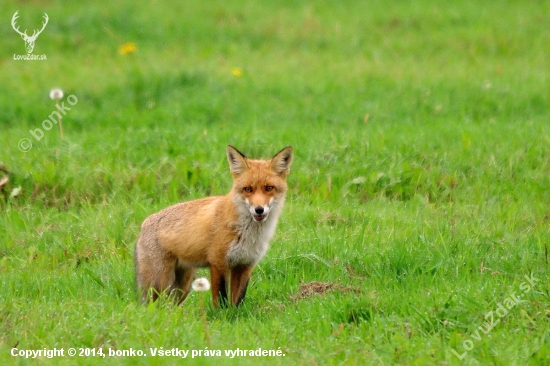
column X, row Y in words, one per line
column 419, row 190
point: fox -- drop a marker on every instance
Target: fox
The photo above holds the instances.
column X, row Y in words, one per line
column 228, row 234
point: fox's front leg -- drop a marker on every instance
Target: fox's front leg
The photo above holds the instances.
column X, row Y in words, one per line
column 239, row 283
column 218, row 280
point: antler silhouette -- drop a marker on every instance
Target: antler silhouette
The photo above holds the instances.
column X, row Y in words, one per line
column 34, row 34
column 29, row 40
column 13, row 19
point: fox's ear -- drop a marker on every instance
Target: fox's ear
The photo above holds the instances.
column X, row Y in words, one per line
column 281, row 162
column 237, row 161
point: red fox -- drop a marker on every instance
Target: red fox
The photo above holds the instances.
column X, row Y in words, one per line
column 228, row 234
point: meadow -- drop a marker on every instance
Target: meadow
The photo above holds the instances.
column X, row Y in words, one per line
column 416, row 226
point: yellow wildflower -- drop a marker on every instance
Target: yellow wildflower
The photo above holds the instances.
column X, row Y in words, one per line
column 127, row 48
column 237, row 71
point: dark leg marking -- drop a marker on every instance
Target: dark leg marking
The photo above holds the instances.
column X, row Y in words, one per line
column 243, row 293
column 223, row 294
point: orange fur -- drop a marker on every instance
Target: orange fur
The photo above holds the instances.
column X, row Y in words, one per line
column 228, row 234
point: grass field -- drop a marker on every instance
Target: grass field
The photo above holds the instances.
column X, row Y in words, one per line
column 418, row 198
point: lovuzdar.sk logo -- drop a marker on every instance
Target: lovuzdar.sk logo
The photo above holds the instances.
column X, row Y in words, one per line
column 29, row 40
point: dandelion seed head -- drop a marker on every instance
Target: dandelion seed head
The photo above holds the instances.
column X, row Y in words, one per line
column 200, row 285
column 56, row 93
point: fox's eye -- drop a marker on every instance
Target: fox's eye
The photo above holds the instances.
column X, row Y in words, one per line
column 268, row 188
column 248, row 189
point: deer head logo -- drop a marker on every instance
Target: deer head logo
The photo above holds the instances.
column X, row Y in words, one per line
column 29, row 40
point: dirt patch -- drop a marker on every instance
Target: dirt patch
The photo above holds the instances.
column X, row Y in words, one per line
column 320, row 288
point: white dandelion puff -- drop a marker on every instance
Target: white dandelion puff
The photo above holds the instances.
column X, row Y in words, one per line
column 56, row 93
column 200, row 285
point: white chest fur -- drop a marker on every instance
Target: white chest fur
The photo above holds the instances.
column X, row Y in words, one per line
column 253, row 241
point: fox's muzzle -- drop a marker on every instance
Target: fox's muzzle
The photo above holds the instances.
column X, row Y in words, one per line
column 259, row 213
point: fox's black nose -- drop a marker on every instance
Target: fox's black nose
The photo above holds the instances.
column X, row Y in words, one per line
column 259, row 210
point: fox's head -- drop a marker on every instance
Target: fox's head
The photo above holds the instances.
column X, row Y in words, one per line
column 260, row 185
